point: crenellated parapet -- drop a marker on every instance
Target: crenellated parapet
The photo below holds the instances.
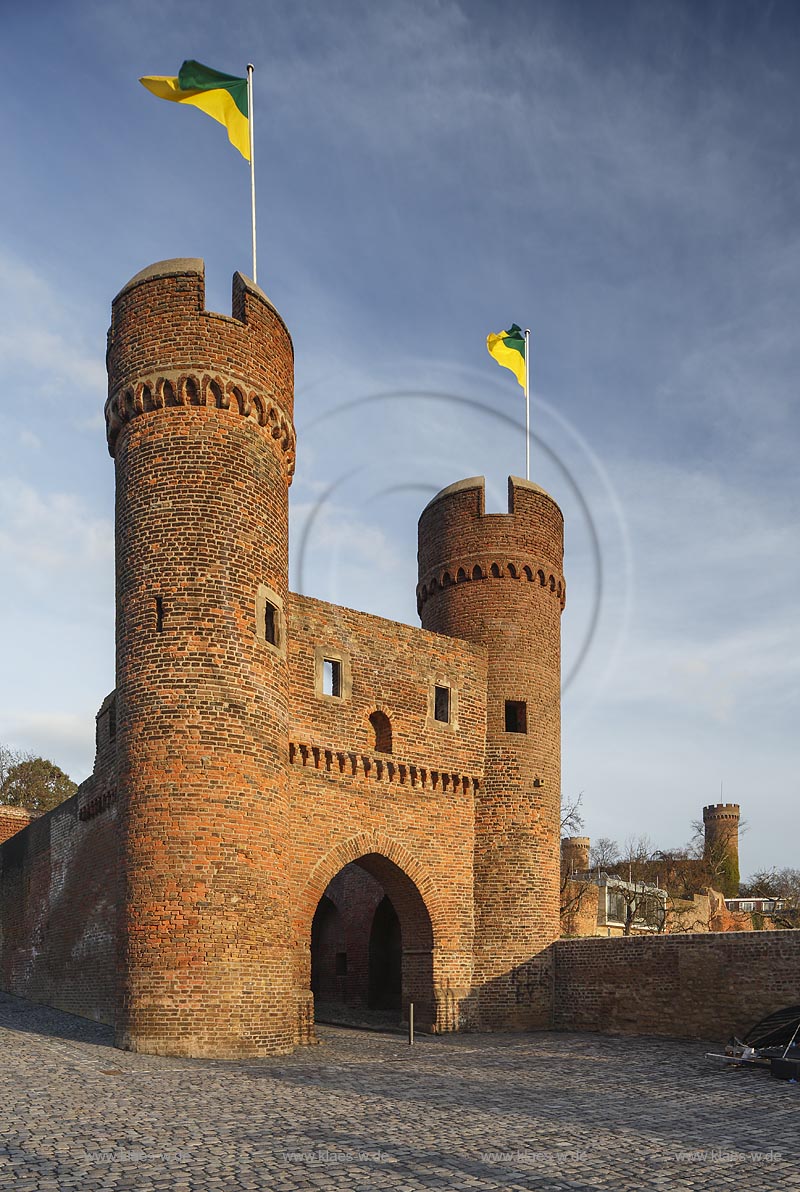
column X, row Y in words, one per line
column 460, row 543
column 721, row 811
column 167, row 352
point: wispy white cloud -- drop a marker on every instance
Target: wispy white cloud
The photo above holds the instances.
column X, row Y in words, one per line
column 41, row 336
column 43, row 535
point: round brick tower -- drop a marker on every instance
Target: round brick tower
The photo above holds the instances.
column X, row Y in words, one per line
column 575, row 854
column 721, row 845
column 199, row 422
column 496, row 579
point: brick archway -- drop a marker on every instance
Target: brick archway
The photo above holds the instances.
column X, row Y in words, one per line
column 414, row 900
column 353, row 849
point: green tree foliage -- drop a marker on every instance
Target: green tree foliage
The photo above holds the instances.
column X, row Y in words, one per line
column 34, row 783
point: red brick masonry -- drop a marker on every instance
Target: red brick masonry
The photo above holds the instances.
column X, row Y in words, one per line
column 704, row 986
column 174, row 894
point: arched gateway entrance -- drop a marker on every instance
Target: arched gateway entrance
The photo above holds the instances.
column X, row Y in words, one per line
column 372, row 946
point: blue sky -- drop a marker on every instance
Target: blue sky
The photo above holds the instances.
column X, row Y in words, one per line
column 623, row 178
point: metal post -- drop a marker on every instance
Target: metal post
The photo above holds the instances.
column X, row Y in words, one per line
column 410, row 1024
column 250, row 69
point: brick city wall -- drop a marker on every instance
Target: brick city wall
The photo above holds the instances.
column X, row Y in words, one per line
column 705, row 986
column 58, row 894
column 58, row 906
column 579, row 903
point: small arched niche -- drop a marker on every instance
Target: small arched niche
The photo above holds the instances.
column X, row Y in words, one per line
column 382, row 728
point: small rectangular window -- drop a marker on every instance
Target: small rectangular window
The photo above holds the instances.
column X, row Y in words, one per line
column 441, row 704
column 331, row 677
column 159, row 614
column 271, row 623
column 341, row 964
column 516, row 716
column 112, row 720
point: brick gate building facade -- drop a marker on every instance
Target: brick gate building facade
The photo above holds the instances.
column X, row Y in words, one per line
column 260, row 743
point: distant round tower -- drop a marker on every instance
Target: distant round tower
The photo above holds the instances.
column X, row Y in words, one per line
column 496, row 579
column 575, row 854
column 721, row 845
column 199, row 422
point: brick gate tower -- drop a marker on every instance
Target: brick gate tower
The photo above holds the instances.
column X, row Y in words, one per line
column 199, row 421
column 496, row 579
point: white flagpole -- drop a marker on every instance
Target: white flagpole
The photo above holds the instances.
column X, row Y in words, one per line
column 527, row 403
column 250, row 69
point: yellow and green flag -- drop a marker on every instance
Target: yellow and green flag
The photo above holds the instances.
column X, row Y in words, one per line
column 221, row 96
column 508, row 349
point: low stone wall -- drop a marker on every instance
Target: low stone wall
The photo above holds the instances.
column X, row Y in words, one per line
column 705, row 986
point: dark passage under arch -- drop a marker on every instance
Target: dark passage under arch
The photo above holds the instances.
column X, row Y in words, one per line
column 385, row 959
column 372, row 947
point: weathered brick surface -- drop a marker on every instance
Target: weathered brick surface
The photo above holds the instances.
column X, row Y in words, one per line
column 704, row 985
column 394, row 668
column 199, row 421
column 496, row 580
column 580, row 902
column 59, row 895
column 58, row 899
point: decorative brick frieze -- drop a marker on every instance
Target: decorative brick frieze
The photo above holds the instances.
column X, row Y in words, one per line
column 177, row 389
column 473, row 569
column 97, row 804
column 380, row 769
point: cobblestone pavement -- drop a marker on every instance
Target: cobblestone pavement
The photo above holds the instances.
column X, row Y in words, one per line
column 366, row 1111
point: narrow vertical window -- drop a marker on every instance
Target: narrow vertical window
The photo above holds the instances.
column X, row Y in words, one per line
column 112, row 720
column 441, row 704
column 331, row 677
column 159, row 614
column 271, row 624
column 516, row 716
